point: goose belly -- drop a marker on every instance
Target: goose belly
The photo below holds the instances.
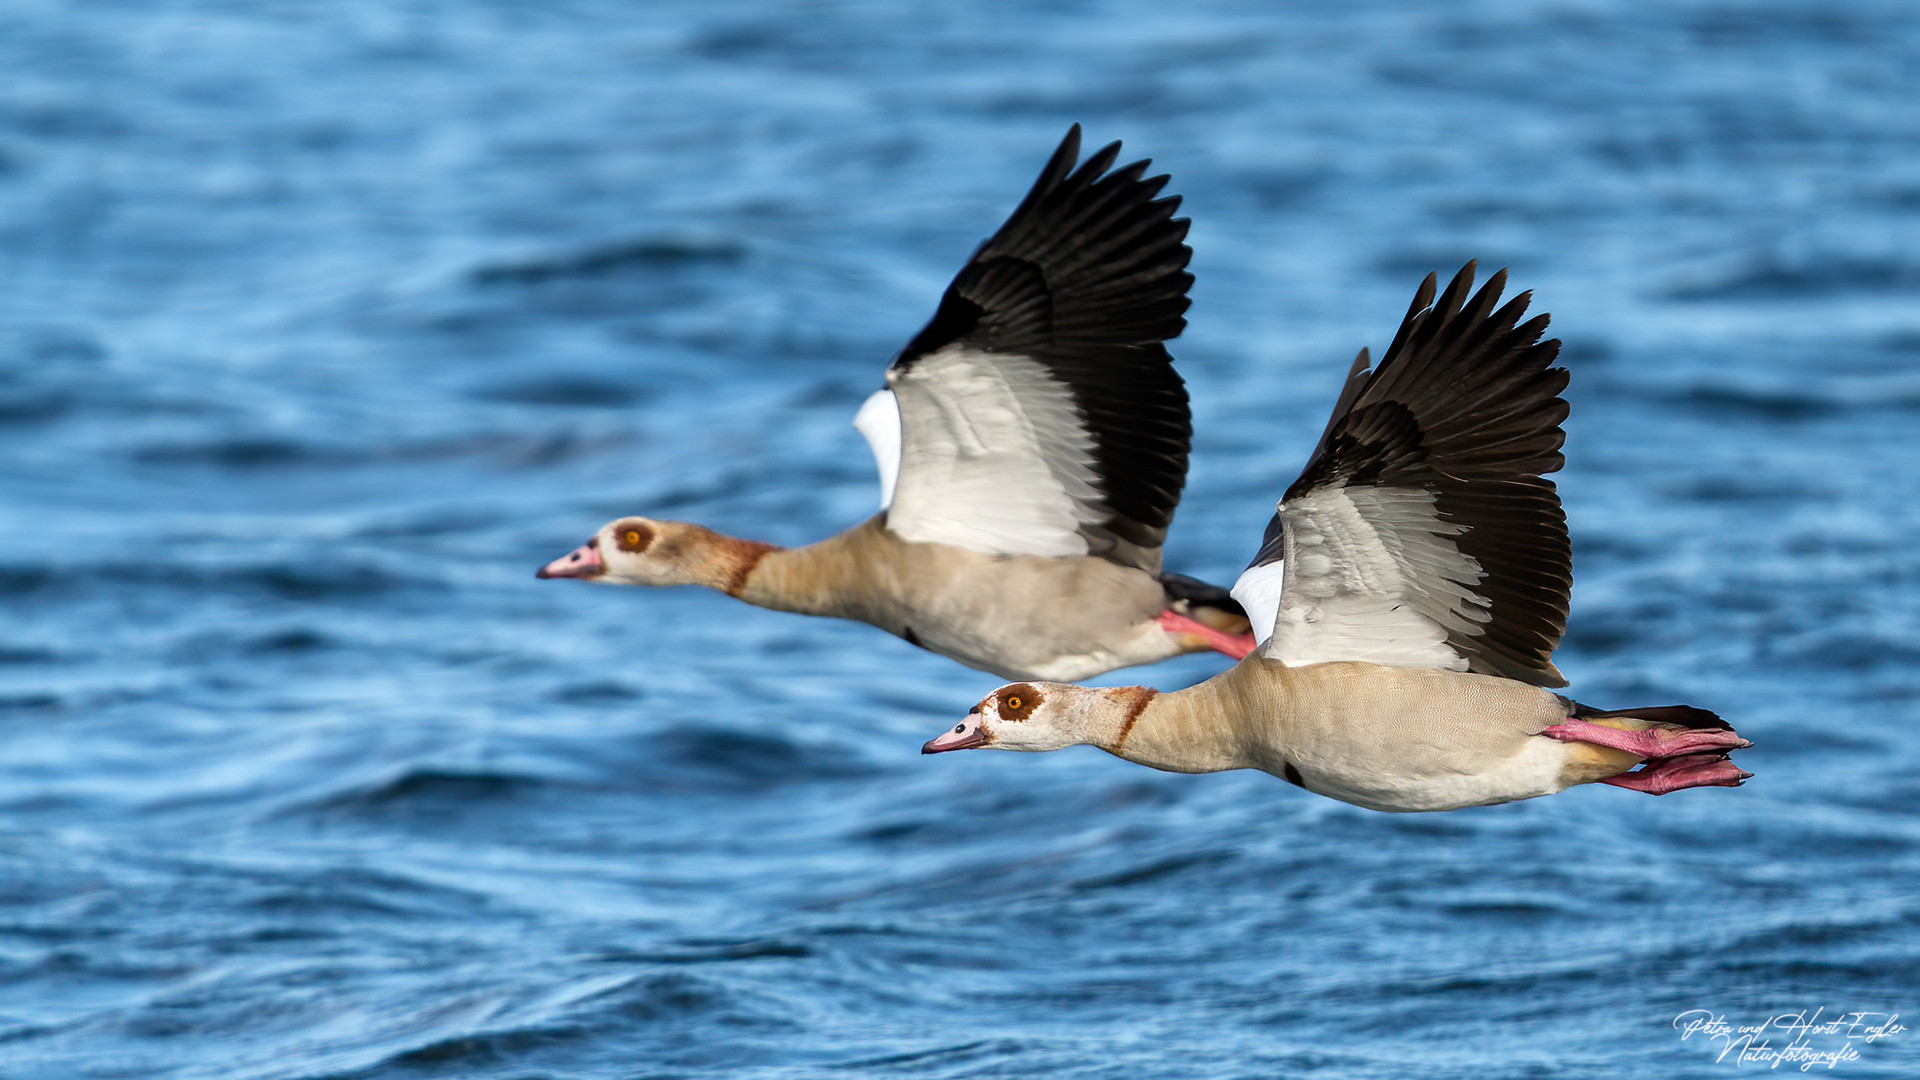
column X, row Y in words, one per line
column 1023, row 617
column 1535, row 768
column 1056, row 657
column 1409, row 739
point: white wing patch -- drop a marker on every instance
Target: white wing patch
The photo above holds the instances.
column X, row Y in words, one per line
column 1373, row 574
column 879, row 420
column 994, row 456
column 1258, row 590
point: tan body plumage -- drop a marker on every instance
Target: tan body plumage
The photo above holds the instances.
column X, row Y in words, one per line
column 1386, row 738
column 976, row 608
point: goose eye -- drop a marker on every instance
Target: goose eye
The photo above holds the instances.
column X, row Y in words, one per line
column 632, row 537
column 1018, row 701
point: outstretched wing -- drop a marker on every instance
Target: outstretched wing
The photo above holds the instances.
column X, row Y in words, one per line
column 1423, row 532
column 1039, row 412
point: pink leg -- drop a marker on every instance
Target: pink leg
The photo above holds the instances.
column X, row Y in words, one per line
column 1673, row 774
column 1653, row 743
column 1234, row 645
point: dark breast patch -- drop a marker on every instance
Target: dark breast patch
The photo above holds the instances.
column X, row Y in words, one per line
column 1292, row 774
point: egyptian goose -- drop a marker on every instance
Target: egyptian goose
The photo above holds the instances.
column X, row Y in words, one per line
column 1410, row 592
column 1032, row 443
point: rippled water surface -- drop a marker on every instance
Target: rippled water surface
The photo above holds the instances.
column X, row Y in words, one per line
column 322, row 325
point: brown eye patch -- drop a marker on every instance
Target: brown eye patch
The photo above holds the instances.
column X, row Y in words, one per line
column 632, row 536
column 1017, row 701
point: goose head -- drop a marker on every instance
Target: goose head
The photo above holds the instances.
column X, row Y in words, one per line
column 643, row 551
column 1033, row 717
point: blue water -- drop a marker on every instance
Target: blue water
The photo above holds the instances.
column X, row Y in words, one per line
column 322, row 326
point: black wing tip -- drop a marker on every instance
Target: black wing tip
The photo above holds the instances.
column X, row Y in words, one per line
column 1060, row 165
column 1454, row 335
column 1093, row 256
column 1101, row 162
column 1066, row 168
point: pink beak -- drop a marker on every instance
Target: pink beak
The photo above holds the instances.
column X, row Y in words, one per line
column 581, row 562
column 965, row 735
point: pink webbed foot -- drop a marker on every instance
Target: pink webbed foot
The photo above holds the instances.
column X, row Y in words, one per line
column 1676, row 773
column 1234, row 645
column 1654, row 743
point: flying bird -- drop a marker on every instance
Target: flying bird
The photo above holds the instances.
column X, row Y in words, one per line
column 1032, row 443
column 1409, row 594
